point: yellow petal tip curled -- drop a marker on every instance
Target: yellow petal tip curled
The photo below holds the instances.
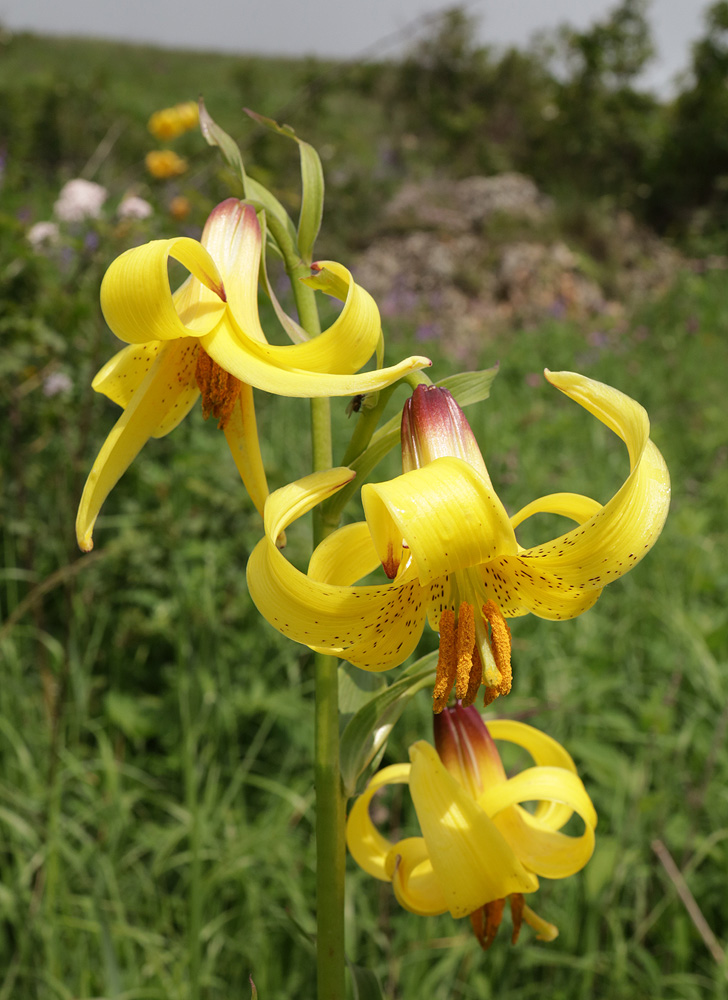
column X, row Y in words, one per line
column 447, row 544
column 86, row 543
column 478, row 846
column 207, row 336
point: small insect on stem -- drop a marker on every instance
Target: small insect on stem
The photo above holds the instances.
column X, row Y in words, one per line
column 354, row 404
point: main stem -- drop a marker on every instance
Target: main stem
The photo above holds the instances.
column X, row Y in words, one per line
column 330, row 802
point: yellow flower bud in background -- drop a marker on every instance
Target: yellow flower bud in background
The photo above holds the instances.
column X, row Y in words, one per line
column 168, row 123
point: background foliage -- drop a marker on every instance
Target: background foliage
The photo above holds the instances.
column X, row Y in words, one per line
column 156, row 806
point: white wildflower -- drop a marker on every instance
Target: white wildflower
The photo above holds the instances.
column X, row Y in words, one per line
column 134, row 207
column 80, row 200
column 43, row 234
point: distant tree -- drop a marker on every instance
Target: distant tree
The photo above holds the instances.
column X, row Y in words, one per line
column 472, row 109
column 690, row 186
column 603, row 131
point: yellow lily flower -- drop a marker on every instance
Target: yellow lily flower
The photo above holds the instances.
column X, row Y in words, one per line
column 479, row 846
column 207, row 339
column 444, row 537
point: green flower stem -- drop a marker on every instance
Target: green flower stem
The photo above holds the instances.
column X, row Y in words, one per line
column 330, row 829
column 367, row 423
column 330, row 802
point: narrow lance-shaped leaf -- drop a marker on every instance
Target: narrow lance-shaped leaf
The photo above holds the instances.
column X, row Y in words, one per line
column 254, row 191
column 365, row 984
column 356, row 688
column 367, row 733
column 294, row 330
column 312, row 181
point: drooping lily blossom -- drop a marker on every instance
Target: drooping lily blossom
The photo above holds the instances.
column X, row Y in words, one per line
column 207, row 339
column 479, row 846
column 450, row 549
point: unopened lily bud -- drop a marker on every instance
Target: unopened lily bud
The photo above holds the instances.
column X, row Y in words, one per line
column 434, row 426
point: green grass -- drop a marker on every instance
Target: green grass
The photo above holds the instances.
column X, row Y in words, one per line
column 156, row 799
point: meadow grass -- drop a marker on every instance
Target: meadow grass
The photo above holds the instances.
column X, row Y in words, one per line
column 156, row 799
column 156, row 803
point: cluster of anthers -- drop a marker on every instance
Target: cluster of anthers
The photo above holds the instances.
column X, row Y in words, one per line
column 460, row 663
column 220, row 390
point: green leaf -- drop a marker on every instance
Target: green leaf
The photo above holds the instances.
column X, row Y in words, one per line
column 112, row 975
column 470, row 387
column 294, row 330
column 312, row 185
column 365, row 982
column 216, row 136
column 254, row 190
column 367, row 732
column 356, row 687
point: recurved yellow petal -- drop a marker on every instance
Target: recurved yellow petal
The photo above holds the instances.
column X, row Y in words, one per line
column 137, row 302
column 269, row 367
column 122, row 375
column 616, row 537
column 416, row 886
column 572, row 505
column 545, row 752
column 522, row 587
column 470, row 857
column 539, row 847
column 352, row 338
column 233, row 237
column 241, row 434
column 344, row 556
column 160, row 396
column 378, row 627
column 366, row 844
column 447, row 514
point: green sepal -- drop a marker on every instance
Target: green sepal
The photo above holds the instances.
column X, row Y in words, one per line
column 280, row 221
column 466, row 388
column 312, row 186
column 365, row 737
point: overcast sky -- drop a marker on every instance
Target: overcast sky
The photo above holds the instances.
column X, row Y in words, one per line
column 347, row 29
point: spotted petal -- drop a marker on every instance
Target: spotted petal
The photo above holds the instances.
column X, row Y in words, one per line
column 616, row 537
column 163, row 393
column 564, row 577
column 373, row 627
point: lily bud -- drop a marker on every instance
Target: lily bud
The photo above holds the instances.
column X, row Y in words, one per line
column 466, row 748
column 434, row 426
